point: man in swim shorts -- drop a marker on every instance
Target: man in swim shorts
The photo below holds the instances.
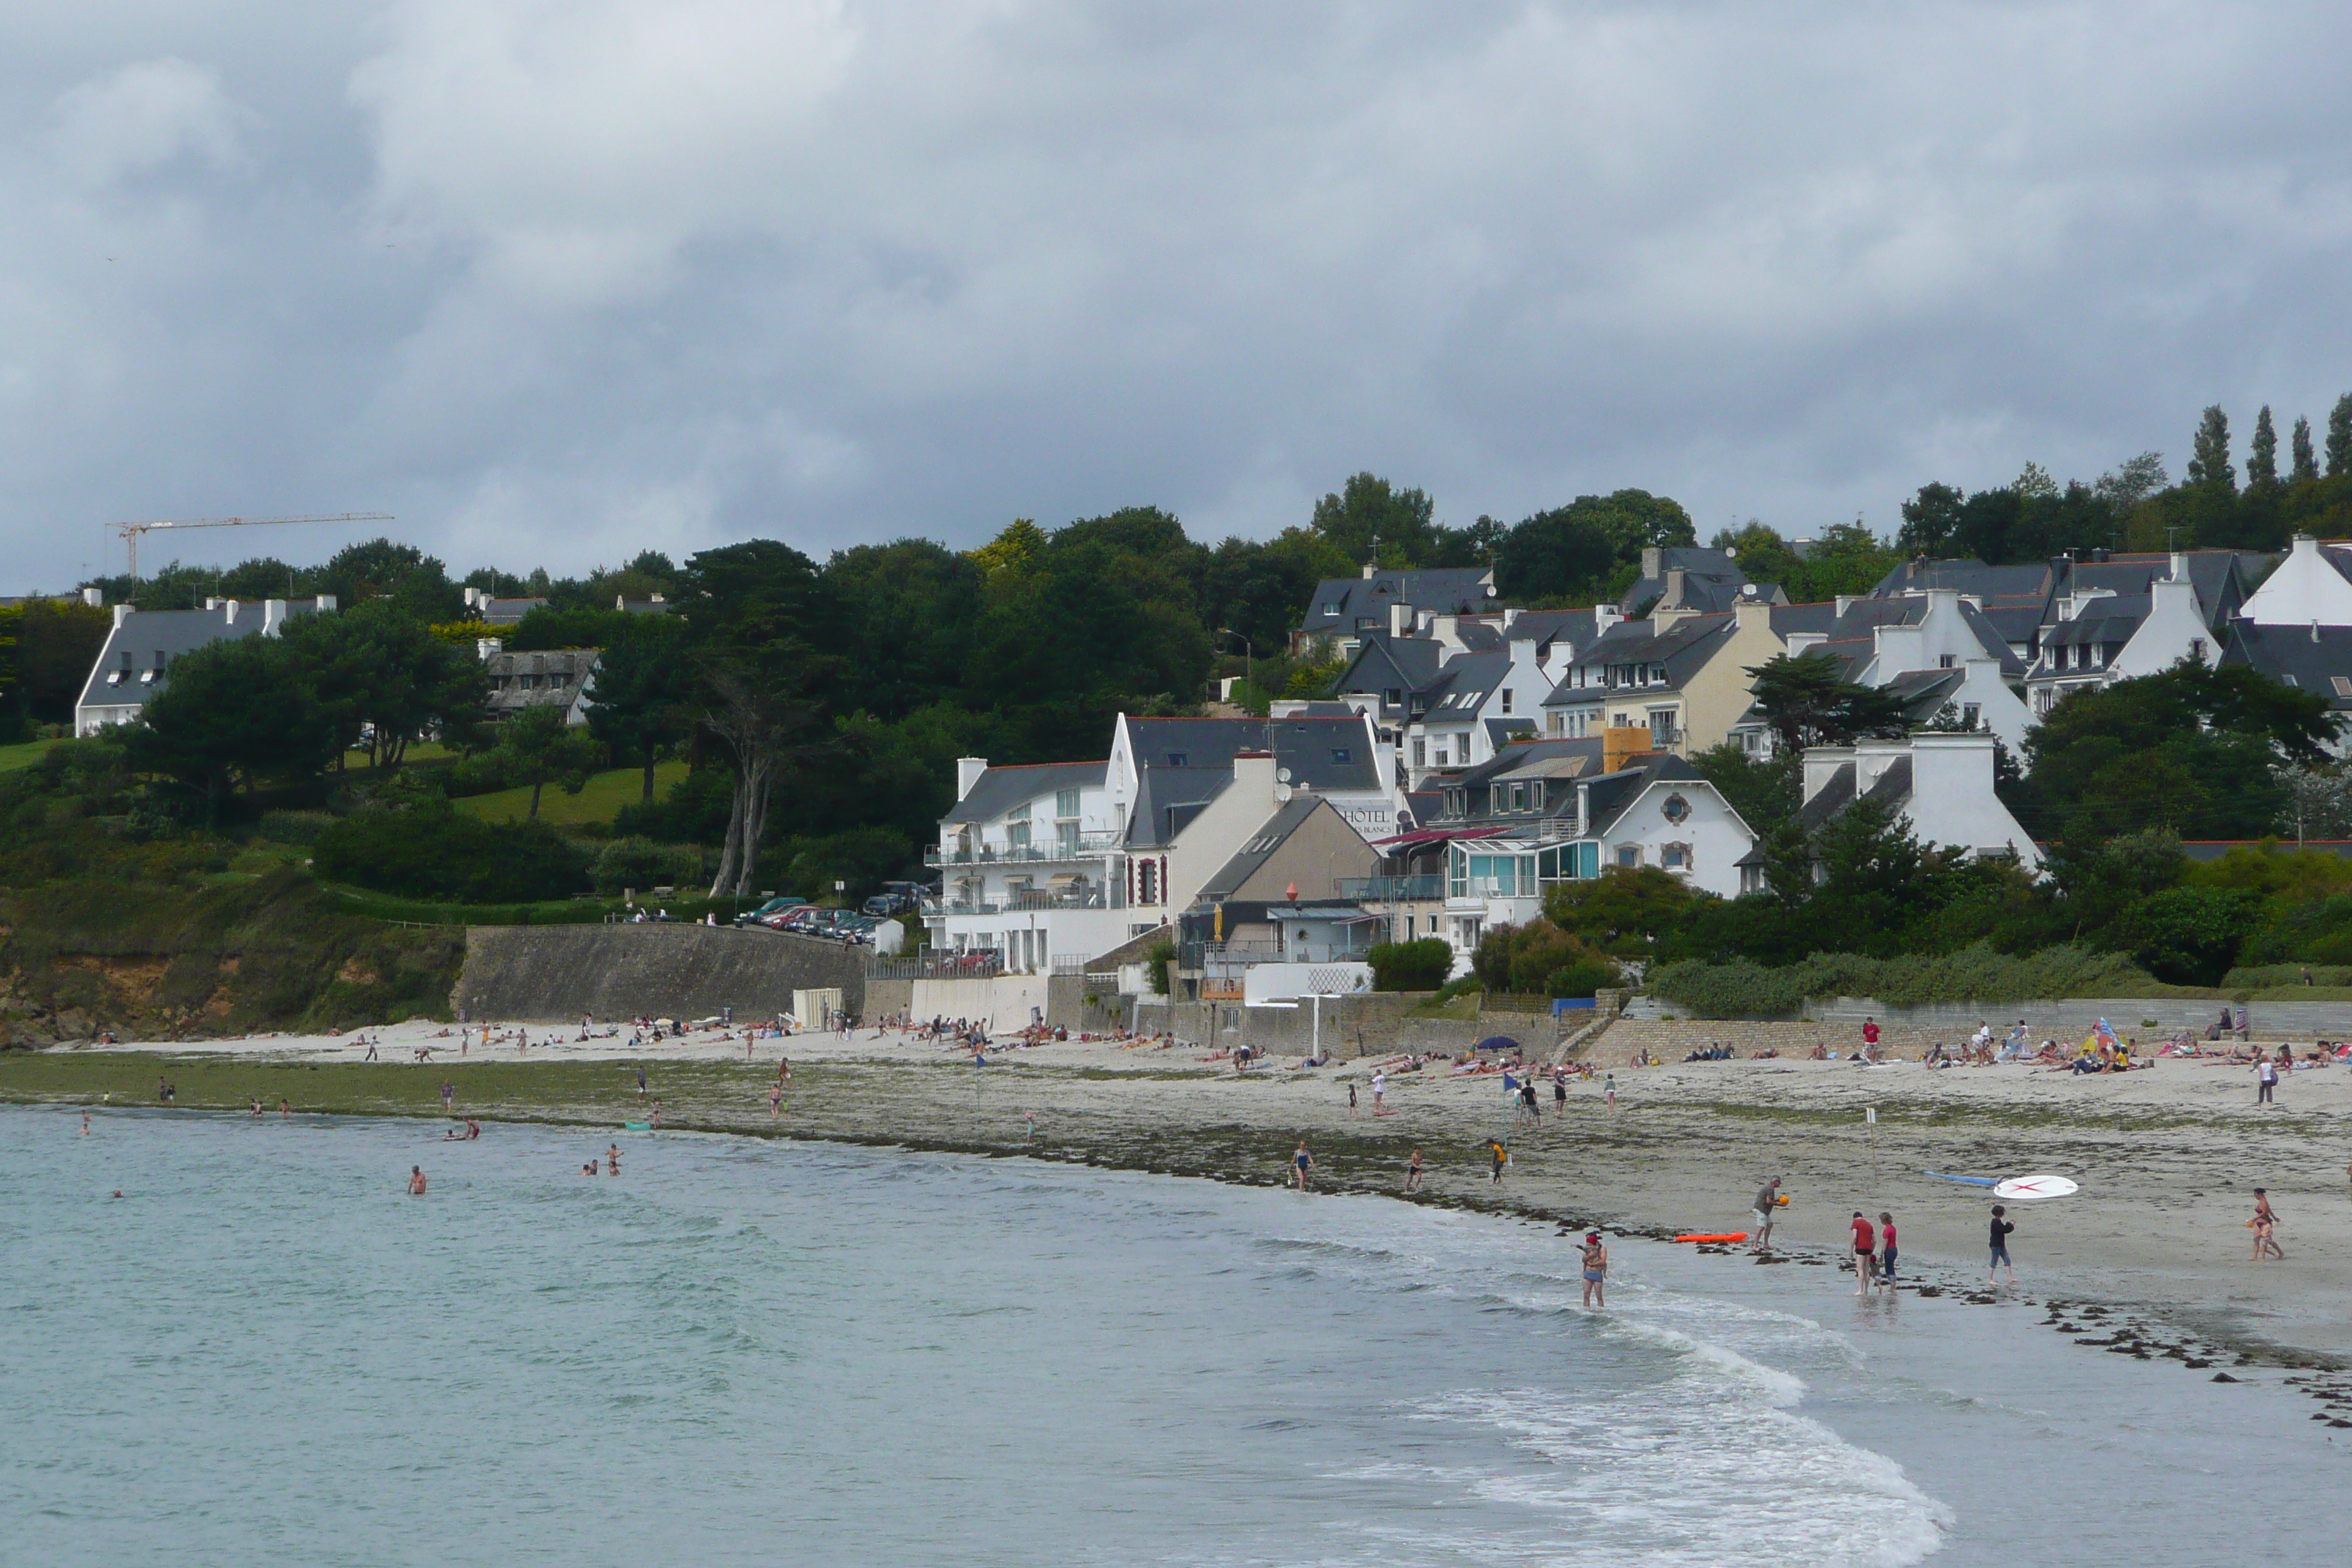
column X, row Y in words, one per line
column 1413, row 1173
column 1768, row 1204
column 1596, row 1270
column 415, row 1181
column 1865, row 1246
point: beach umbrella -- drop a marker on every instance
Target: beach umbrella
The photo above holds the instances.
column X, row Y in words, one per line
column 1496, row 1043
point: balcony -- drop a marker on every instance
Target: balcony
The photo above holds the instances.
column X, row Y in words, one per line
column 1015, row 903
column 1393, row 890
column 1076, row 846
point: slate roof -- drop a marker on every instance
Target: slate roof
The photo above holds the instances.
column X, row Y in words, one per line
column 1683, row 648
column 1550, row 625
column 1445, row 591
column 1181, row 764
column 551, row 680
column 145, row 634
column 2108, row 620
column 1416, row 663
column 1465, row 683
column 1271, row 835
column 1711, row 581
column 2288, row 654
column 1816, row 617
column 1608, row 797
column 1969, row 576
column 1863, row 616
column 999, row 788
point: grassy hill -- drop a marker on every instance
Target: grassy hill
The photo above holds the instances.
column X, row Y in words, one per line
column 600, row 801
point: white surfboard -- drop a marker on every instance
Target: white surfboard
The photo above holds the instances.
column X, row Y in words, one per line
column 2025, row 1189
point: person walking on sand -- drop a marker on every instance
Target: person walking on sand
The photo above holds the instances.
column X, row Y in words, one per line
column 1869, row 1035
column 2266, row 1220
column 1301, row 1163
column 1558, row 1096
column 2265, row 1080
column 1768, row 1204
column 1352, row 1100
column 415, row 1181
column 1596, row 1271
column 1501, row 1157
column 370, row 1055
column 1865, row 1246
column 2002, row 1227
column 641, row 1080
column 1885, row 1250
column 1608, row 1090
column 1413, row 1173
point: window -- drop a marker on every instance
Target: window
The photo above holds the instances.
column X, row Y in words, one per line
column 1519, row 797
column 1330, row 607
column 1420, row 751
column 2197, row 649
column 1507, row 700
column 1553, row 724
column 1968, row 711
column 1393, row 697
column 2289, row 680
column 1018, row 813
column 1676, row 809
column 2343, row 685
column 1017, row 834
column 1068, row 834
column 1629, row 855
column 1342, row 754
column 1146, row 883
column 1675, row 857
column 1066, row 803
column 1945, row 661
column 1179, row 759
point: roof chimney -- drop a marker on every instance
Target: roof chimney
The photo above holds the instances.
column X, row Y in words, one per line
column 1651, row 556
column 968, row 772
column 1253, row 775
column 485, row 647
column 2180, row 566
column 273, row 616
column 121, row 614
column 1673, row 598
column 1621, row 745
column 1369, row 569
column 1400, row 618
column 94, row 597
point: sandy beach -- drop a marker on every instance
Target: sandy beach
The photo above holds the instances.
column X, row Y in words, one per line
column 2167, row 1158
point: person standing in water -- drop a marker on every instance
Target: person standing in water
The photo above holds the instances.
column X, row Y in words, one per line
column 85, row 1123
column 1768, row 1204
column 1885, row 1250
column 612, row 1159
column 1596, row 1271
column 1301, row 1163
column 1865, row 1247
column 2002, row 1227
column 415, row 1181
column 1413, row 1173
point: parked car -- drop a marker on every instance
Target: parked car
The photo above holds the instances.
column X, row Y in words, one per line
column 767, row 914
column 882, row 906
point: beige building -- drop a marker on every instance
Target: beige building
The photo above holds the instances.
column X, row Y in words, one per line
column 1680, row 675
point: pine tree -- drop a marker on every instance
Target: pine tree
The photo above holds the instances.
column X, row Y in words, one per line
column 2209, row 457
column 2262, row 457
column 2306, row 463
column 2339, row 437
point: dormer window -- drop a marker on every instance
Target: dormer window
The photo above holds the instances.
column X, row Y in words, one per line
column 1179, row 759
column 1342, row 755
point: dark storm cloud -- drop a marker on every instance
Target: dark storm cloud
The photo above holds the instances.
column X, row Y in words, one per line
column 557, row 281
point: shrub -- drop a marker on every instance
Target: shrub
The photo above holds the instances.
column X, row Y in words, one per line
column 641, row 863
column 295, row 827
column 1420, row 966
column 435, row 852
column 1529, row 959
column 2190, row 936
column 1978, row 973
column 1581, row 978
column 1157, row 960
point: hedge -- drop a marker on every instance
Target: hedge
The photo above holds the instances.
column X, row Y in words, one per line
column 1978, row 973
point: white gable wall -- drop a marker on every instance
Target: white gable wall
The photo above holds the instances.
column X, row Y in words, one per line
column 2306, row 587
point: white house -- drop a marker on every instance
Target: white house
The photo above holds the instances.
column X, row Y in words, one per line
column 134, row 662
column 1550, row 811
column 1927, row 632
column 1942, row 784
column 2100, row 636
column 2312, row 585
column 1064, row 861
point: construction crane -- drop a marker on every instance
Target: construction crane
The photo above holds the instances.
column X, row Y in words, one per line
column 131, row 531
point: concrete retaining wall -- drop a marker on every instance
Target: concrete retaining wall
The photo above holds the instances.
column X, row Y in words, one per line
column 2069, row 1018
column 549, row 974
column 1005, row 1002
column 1370, row 1025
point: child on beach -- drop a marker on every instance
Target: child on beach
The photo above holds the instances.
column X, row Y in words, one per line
column 2002, row 1227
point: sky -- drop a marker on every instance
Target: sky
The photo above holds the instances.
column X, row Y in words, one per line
column 557, row 280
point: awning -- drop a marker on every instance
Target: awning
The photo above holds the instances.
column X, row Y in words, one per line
column 1439, row 835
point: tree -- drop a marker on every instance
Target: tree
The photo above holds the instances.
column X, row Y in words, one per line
column 2339, row 437
column 1762, row 790
column 1370, row 519
column 2262, row 454
column 538, row 747
column 763, row 627
column 235, row 712
column 57, row 641
column 401, row 573
column 2123, row 489
column 1623, row 911
column 380, row 676
column 1571, row 550
column 2307, row 462
column 2209, row 469
column 2319, row 801
column 1420, row 966
column 638, row 706
column 1931, row 520
column 1808, row 701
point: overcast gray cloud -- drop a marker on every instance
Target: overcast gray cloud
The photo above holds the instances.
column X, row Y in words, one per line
column 558, row 280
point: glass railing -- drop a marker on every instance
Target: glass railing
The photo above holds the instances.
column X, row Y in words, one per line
column 1393, row 890
column 1077, row 846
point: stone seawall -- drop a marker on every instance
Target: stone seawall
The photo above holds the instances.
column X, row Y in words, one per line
column 552, row 974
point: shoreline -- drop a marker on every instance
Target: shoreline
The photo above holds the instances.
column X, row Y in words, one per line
column 2164, row 1157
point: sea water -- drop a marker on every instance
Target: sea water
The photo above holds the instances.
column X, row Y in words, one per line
column 743, row 1351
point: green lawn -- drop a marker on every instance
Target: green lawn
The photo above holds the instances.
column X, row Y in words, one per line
column 24, row 756
column 600, row 801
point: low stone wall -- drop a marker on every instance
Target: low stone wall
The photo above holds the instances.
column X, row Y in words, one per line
column 2070, row 1017
column 549, row 974
column 1367, row 1025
